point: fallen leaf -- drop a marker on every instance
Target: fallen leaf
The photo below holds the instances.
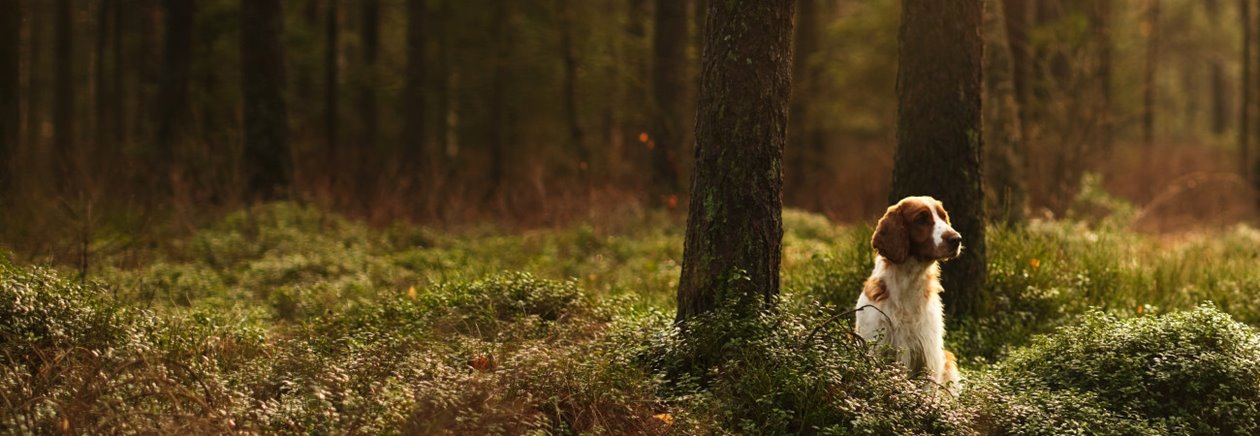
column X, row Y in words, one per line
column 664, row 418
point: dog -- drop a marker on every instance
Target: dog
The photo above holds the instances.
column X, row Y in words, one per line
column 900, row 304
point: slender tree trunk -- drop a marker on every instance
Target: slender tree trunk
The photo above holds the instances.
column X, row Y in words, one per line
column 331, row 52
column 63, row 96
column 637, row 101
column 10, row 76
column 668, row 86
column 117, row 101
column 939, row 136
column 36, row 76
column 498, row 120
column 1002, row 132
column 1018, row 19
column 171, row 111
column 414, row 129
column 150, row 77
column 1217, row 71
column 1148, row 82
column 367, row 148
column 805, row 150
column 104, row 93
column 1244, row 104
column 268, row 164
column 569, row 56
column 1102, row 32
column 734, row 227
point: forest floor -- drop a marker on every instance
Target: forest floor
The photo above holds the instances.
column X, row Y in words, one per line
column 284, row 318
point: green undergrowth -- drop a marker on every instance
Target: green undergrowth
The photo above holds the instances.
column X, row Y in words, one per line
column 283, row 318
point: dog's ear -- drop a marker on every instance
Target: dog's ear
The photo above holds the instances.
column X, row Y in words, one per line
column 891, row 238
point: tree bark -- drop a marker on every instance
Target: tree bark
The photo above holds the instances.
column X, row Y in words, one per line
column 806, row 143
column 1002, row 131
column 498, row 121
column 172, row 109
column 268, row 166
column 939, row 137
column 1103, row 20
column 668, row 87
column 734, row 227
column 1244, row 105
column 10, row 75
column 1220, row 117
column 414, row 128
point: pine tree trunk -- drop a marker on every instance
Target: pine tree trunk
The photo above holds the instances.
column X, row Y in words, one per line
column 1220, row 117
column 172, row 108
column 36, row 76
column 268, row 166
column 1244, row 105
column 1148, row 82
column 63, row 95
column 10, row 75
column 734, row 227
column 1018, row 18
column 498, row 121
column 414, row 128
column 1002, row 132
column 669, row 74
column 366, row 149
column 1102, row 32
column 331, row 52
column 939, row 132
column 804, row 150
column 568, row 53
column 101, row 78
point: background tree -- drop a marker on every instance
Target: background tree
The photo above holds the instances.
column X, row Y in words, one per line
column 171, row 112
column 414, row 130
column 10, row 81
column 939, row 130
column 1151, row 31
column 1245, row 97
column 1002, row 131
column 366, row 149
column 63, row 96
column 569, row 62
column 734, row 225
column 668, row 88
column 268, row 169
column 807, row 150
column 331, row 52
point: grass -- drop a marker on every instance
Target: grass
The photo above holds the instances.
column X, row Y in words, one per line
column 283, row 318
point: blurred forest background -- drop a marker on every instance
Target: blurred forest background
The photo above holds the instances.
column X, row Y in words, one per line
column 124, row 117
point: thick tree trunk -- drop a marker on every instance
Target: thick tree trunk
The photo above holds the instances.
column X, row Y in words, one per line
column 669, row 84
column 939, row 133
column 805, row 150
column 171, row 111
column 63, row 96
column 268, row 164
column 414, row 128
column 10, row 75
column 734, row 227
column 1002, row 132
column 1148, row 81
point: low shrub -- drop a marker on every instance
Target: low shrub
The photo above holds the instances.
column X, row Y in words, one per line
column 1195, row 371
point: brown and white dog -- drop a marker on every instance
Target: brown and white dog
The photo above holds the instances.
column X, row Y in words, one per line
column 911, row 238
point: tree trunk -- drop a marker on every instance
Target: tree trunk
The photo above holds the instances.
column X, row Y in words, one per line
column 939, row 133
column 415, row 154
column 63, row 96
column 10, row 75
column 669, row 74
column 171, row 111
column 36, row 76
column 1220, row 117
column 568, row 53
column 332, row 147
column 1244, row 104
column 104, row 93
column 498, row 121
column 734, row 227
column 805, row 150
column 1148, row 82
column 268, row 166
column 1102, row 32
column 1018, row 20
column 367, row 147
column 1002, row 130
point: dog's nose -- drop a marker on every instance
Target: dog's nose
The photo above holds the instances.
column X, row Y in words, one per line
column 953, row 239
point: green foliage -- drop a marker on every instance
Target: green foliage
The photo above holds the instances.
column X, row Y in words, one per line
column 1195, row 372
column 780, row 372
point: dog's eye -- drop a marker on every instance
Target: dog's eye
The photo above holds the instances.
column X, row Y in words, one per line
column 924, row 218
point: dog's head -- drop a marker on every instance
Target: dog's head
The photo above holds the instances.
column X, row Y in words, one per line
column 918, row 228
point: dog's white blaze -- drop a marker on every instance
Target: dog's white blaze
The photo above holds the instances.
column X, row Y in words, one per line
column 939, row 229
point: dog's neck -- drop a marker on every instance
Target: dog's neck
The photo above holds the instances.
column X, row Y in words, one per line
column 907, row 280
